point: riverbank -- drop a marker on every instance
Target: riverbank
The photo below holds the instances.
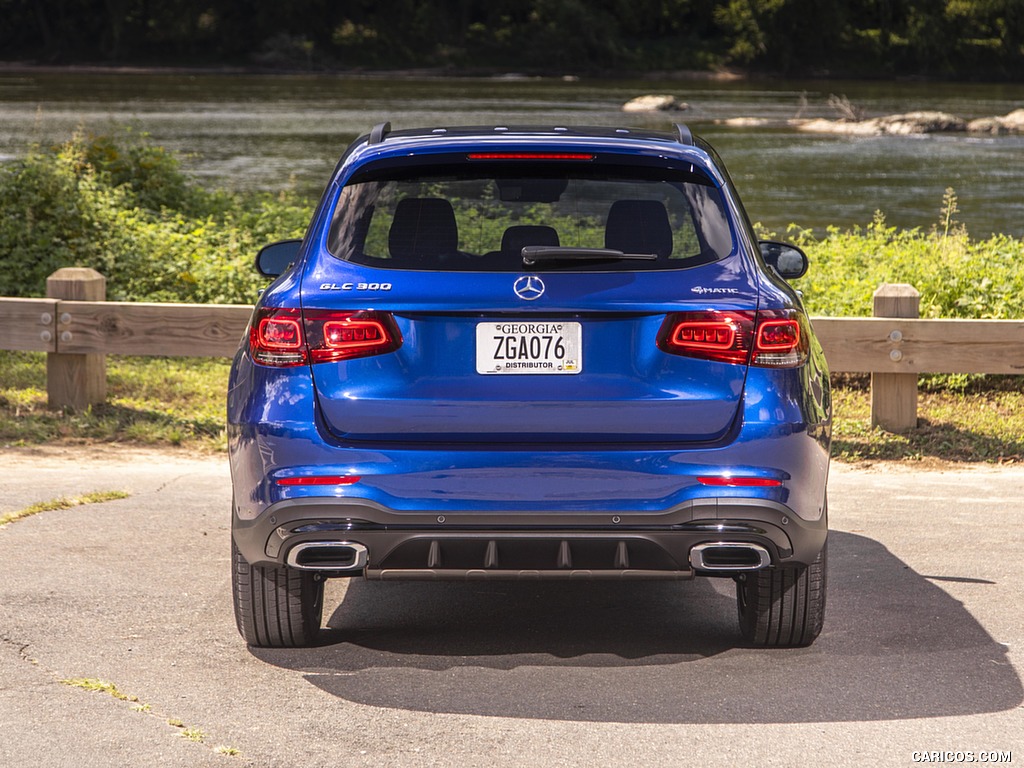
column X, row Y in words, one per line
column 271, row 132
column 721, row 75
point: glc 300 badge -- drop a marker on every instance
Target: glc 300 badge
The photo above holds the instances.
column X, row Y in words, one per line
column 355, row 286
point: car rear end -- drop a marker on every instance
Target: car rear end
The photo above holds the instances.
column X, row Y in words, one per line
column 526, row 353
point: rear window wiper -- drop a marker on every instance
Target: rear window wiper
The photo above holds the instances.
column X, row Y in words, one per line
column 534, row 254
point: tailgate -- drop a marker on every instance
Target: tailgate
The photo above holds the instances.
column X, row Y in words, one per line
column 544, row 375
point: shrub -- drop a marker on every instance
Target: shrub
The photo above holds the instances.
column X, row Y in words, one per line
column 125, row 208
column 957, row 277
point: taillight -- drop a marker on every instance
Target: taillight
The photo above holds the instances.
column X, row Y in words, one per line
column 288, row 337
column 769, row 338
column 782, row 339
column 276, row 338
column 344, row 335
column 721, row 336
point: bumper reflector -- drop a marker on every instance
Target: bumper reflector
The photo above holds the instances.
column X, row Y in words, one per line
column 740, row 482
column 319, row 480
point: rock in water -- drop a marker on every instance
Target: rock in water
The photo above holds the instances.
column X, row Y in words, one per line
column 654, row 103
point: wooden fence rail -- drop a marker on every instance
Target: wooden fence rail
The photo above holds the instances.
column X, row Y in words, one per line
column 78, row 334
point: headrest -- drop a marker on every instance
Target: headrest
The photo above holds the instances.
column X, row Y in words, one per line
column 516, row 237
column 423, row 226
column 639, row 226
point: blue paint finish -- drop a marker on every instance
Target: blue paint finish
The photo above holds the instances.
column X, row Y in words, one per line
column 630, row 434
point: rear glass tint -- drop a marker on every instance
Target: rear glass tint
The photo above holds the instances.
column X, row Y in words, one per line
column 479, row 216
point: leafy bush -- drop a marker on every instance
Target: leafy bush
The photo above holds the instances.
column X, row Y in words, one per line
column 957, row 277
column 150, row 175
column 125, row 208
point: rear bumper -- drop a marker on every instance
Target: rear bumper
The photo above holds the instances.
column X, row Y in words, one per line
column 551, row 510
column 275, row 434
column 540, row 545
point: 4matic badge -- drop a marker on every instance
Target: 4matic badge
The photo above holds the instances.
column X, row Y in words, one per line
column 700, row 289
column 355, row 286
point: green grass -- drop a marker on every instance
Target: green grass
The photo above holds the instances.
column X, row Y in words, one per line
column 99, row 686
column 96, row 685
column 180, row 402
column 150, row 401
column 983, row 422
column 61, row 503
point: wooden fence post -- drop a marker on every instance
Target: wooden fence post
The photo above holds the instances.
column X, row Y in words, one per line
column 75, row 381
column 894, row 395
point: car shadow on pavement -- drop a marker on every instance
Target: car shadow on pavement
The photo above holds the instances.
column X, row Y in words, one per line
column 895, row 646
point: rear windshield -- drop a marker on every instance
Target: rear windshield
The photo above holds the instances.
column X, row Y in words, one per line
column 479, row 217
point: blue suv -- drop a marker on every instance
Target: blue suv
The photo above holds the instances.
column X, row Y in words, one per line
column 529, row 353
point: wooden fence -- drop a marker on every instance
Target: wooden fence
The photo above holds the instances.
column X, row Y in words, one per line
column 78, row 329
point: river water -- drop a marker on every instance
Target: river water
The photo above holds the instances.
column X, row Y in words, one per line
column 265, row 132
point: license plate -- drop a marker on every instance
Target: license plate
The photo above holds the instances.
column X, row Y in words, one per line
column 529, row 347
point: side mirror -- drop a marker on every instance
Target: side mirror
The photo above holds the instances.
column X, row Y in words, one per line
column 788, row 260
column 274, row 259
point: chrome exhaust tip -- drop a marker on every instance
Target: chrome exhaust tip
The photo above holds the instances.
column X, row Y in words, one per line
column 729, row 556
column 334, row 556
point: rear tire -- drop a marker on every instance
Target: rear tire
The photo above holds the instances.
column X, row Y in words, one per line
column 275, row 607
column 783, row 607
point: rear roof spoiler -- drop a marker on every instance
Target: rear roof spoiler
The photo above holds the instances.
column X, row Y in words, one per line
column 380, row 131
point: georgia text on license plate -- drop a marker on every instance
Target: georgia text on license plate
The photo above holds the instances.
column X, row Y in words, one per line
column 529, row 347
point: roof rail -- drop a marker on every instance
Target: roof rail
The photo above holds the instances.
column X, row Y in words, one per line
column 685, row 137
column 379, row 131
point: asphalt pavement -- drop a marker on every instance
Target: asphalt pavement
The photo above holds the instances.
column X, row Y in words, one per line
column 922, row 648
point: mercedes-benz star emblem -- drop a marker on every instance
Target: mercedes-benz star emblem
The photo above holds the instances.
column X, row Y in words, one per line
column 529, row 287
